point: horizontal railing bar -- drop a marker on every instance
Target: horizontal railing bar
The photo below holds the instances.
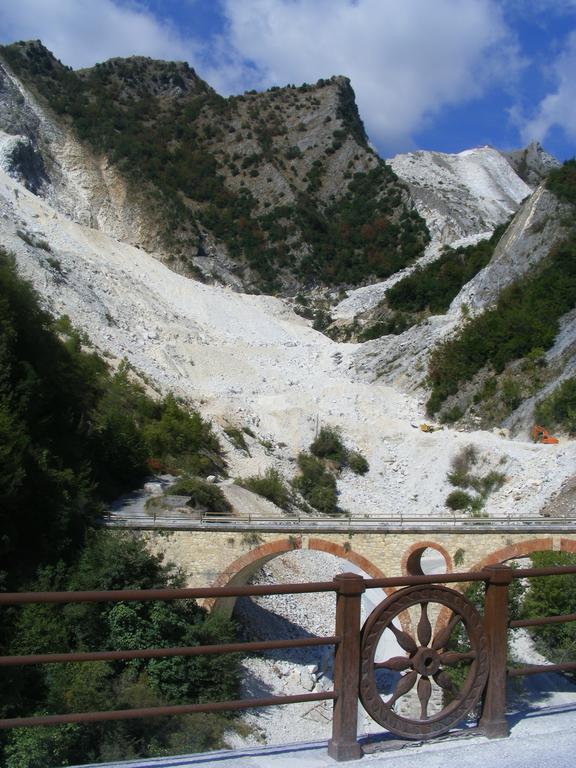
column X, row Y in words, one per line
column 342, row 520
column 142, row 595
column 559, row 570
column 180, row 709
column 437, row 578
column 542, row 620
column 538, row 669
column 154, row 653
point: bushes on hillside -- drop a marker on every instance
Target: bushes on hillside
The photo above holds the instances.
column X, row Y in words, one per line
column 201, row 494
column 328, row 445
column 472, row 485
column 552, row 596
column 526, row 317
column 562, row 181
column 108, row 561
column 316, row 484
column 73, row 432
column 558, row 410
column 271, row 485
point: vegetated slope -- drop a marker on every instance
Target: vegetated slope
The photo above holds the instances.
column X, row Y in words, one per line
column 462, row 197
column 73, row 434
column 429, row 289
column 542, row 223
column 502, row 350
column 266, row 190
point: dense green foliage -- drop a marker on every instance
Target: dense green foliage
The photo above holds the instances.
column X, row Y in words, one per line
column 526, row 318
column 360, row 235
column 328, row 445
column 201, row 494
column 271, row 485
column 111, row 561
column 434, row 286
column 562, row 182
column 164, row 129
column 552, row 596
column 430, row 289
column 72, row 432
column 558, row 410
column 316, row 484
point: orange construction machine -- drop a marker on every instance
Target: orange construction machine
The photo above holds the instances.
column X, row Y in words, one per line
column 541, row 435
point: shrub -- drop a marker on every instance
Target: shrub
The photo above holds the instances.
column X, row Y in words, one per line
column 328, row 445
column 357, row 463
column 458, row 500
column 271, row 485
column 236, row 438
column 461, row 475
column 201, row 493
column 461, row 465
column 316, row 484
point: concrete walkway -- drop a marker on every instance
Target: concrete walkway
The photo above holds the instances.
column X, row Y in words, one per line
column 538, row 739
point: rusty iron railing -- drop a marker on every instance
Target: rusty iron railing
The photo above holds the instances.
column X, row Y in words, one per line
column 424, row 642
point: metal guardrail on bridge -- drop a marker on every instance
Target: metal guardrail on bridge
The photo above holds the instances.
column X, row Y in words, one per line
column 399, row 523
column 427, row 643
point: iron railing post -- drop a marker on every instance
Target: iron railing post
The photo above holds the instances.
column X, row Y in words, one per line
column 344, row 745
column 493, row 720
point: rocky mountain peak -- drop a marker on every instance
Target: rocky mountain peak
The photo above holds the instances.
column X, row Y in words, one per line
column 532, row 163
column 140, row 77
column 461, row 194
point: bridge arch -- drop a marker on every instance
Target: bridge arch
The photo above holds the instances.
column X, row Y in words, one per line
column 243, row 568
column 521, row 549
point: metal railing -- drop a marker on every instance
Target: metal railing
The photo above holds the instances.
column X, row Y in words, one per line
column 342, row 522
column 427, row 651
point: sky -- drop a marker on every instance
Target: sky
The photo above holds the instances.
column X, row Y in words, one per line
column 444, row 75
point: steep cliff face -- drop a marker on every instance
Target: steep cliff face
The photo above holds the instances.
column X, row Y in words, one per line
column 272, row 190
column 45, row 155
column 532, row 163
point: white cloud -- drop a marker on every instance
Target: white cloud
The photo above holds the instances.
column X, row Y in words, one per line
column 407, row 60
column 82, row 32
column 558, row 108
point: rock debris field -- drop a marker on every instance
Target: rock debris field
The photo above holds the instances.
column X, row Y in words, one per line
column 249, row 361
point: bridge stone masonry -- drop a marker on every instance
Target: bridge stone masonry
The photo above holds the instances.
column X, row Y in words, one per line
column 228, row 554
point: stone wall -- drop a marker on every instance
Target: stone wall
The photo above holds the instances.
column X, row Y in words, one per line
column 217, row 558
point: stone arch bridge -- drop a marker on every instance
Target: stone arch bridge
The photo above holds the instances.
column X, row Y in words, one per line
column 228, row 553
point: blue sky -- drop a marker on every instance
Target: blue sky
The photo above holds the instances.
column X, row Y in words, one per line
column 428, row 74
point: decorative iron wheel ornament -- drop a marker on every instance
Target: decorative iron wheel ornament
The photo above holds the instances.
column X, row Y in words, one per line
column 427, row 659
